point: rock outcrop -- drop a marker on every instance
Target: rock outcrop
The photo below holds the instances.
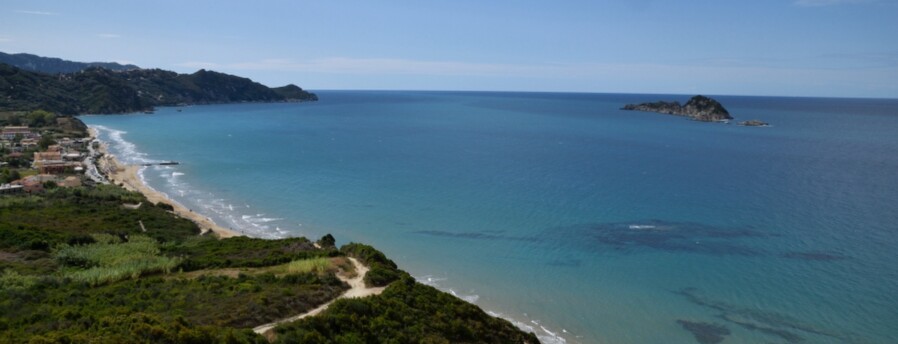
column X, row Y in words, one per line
column 754, row 123
column 699, row 108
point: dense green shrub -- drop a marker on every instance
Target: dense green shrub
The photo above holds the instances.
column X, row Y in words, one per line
column 41, row 222
column 108, row 260
column 406, row 312
column 58, row 307
column 382, row 271
column 327, row 241
column 367, row 254
column 165, row 206
column 76, row 267
column 207, row 252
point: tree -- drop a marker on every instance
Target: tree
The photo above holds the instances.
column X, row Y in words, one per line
column 46, row 141
column 327, row 241
column 40, row 118
column 4, row 176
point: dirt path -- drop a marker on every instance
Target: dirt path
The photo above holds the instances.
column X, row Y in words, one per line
column 357, row 289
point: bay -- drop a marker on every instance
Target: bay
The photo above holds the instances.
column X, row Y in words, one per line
column 576, row 220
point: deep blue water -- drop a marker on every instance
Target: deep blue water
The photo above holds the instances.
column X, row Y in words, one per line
column 563, row 213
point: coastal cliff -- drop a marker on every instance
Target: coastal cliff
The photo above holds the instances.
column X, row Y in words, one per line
column 699, row 108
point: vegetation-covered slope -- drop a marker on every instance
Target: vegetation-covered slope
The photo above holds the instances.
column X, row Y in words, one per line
column 76, row 266
column 52, row 65
column 406, row 312
column 102, row 91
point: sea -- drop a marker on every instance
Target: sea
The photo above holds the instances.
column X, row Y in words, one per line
column 562, row 213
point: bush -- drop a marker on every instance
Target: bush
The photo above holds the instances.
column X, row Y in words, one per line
column 382, row 271
column 316, row 265
column 327, row 241
column 406, row 312
column 205, row 252
column 380, row 275
column 108, row 260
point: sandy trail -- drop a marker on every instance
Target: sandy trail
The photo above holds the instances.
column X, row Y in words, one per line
column 127, row 176
column 357, row 289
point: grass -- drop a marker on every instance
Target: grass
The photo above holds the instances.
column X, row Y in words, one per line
column 243, row 252
column 317, row 265
column 10, row 279
column 10, row 201
column 109, row 260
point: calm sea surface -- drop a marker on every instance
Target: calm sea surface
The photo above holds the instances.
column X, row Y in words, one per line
column 576, row 220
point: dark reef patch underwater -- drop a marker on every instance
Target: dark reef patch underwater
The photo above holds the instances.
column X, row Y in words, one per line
column 667, row 236
column 818, row 256
column 705, row 333
column 769, row 323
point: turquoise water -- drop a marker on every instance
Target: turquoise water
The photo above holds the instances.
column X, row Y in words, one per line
column 576, row 220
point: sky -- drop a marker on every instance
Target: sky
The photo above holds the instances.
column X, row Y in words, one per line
column 821, row 48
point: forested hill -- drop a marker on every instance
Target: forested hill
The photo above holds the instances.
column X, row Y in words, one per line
column 52, row 65
column 101, row 91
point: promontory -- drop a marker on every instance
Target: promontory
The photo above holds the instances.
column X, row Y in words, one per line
column 699, row 108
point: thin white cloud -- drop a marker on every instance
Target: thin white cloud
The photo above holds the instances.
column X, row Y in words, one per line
column 820, row 3
column 109, row 35
column 4, row 39
column 39, row 13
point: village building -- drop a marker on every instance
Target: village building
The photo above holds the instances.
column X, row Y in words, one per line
column 35, row 183
column 53, row 163
column 69, row 143
column 29, row 143
column 9, row 133
column 6, row 189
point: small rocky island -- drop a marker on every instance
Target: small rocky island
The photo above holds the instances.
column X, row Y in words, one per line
column 754, row 123
column 698, row 108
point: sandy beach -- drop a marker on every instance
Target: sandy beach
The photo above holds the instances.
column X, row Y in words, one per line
column 127, row 176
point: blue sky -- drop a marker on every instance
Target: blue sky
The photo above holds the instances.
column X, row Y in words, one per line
column 845, row 48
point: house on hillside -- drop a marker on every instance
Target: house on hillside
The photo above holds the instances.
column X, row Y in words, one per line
column 53, row 163
column 29, row 143
column 10, row 132
column 35, row 183
column 6, row 189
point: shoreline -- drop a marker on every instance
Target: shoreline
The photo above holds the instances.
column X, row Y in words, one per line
column 127, row 176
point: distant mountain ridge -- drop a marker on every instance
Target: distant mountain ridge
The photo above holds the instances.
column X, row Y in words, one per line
column 97, row 90
column 54, row 65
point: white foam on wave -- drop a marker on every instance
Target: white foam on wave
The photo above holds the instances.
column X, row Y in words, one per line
column 430, row 280
column 642, row 227
column 472, row 298
column 544, row 334
column 541, row 332
column 126, row 152
column 208, row 204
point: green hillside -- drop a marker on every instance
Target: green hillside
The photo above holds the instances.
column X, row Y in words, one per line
column 102, row 91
